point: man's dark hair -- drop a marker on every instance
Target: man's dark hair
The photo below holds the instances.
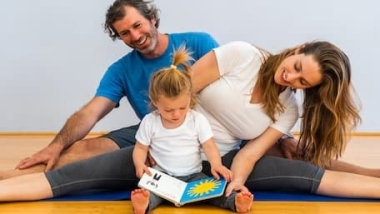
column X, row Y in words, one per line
column 116, row 12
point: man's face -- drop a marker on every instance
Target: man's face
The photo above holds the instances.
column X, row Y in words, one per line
column 136, row 31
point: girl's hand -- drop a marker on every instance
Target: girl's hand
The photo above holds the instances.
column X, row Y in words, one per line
column 237, row 186
column 223, row 171
column 140, row 170
column 150, row 160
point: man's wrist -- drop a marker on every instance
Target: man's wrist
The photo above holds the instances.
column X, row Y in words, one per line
column 58, row 143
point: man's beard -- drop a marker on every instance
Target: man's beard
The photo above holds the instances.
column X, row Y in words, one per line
column 153, row 36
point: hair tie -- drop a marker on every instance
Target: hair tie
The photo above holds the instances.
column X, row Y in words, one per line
column 173, row 67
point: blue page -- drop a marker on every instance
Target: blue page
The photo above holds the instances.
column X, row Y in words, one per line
column 203, row 189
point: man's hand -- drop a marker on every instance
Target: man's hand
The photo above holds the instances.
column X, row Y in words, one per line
column 48, row 156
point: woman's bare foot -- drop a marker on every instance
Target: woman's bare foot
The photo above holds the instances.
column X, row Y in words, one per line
column 140, row 200
column 243, row 202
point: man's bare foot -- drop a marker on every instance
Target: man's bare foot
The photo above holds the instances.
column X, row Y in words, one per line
column 140, row 200
column 243, row 202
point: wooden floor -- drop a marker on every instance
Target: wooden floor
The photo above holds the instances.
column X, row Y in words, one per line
column 364, row 151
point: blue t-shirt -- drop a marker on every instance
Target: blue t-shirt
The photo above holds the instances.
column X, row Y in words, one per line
column 130, row 75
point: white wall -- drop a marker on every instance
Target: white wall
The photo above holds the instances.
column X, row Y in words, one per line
column 53, row 53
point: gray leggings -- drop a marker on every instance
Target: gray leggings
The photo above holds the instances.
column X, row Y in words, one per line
column 115, row 170
column 222, row 201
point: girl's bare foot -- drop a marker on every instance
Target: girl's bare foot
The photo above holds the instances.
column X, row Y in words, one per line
column 140, row 200
column 243, row 202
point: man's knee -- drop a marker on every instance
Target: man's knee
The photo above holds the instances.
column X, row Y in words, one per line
column 97, row 145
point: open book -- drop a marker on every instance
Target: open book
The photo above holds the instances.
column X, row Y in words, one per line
column 180, row 192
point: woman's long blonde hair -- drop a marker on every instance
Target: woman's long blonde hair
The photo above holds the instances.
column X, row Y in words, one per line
column 171, row 81
column 330, row 112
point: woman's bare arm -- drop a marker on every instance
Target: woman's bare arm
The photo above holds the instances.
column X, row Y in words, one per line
column 247, row 157
column 205, row 71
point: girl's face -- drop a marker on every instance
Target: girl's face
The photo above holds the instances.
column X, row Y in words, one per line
column 173, row 110
column 298, row 71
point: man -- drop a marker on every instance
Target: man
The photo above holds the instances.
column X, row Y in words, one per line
column 135, row 22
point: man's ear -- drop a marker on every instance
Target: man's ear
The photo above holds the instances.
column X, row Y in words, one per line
column 153, row 20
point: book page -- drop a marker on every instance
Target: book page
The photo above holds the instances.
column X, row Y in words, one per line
column 203, row 189
column 163, row 185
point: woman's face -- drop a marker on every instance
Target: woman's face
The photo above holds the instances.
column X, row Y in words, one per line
column 298, row 71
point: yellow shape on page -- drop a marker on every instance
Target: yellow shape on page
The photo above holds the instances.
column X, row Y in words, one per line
column 204, row 187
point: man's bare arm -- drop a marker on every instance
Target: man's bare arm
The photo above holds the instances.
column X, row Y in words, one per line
column 82, row 121
column 76, row 128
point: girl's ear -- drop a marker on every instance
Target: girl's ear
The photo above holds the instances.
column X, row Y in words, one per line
column 154, row 103
column 153, row 106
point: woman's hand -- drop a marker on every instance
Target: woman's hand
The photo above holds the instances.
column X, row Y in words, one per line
column 237, row 186
column 288, row 148
column 285, row 147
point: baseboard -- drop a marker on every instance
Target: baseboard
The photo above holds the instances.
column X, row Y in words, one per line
column 44, row 134
column 356, row 134
column 52, row 134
